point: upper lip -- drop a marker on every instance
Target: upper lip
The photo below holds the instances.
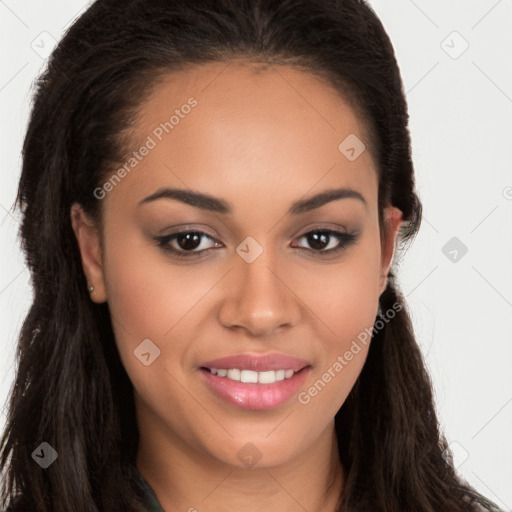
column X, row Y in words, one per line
column 258, row 362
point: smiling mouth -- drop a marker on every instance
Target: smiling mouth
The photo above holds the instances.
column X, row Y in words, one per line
column 258, row 391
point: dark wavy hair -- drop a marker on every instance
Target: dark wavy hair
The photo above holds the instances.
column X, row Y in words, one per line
column 71, row 389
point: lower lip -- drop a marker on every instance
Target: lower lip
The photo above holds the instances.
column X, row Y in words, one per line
column 258, row 397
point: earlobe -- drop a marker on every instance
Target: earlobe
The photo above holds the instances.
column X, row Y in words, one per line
column 393, row 218
column 88, row 239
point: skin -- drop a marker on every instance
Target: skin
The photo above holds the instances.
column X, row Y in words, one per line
column 260, row 141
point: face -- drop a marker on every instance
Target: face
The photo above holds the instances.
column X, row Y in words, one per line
column 256, row 268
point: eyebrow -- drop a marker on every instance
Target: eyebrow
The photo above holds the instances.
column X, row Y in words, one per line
column 214, row 204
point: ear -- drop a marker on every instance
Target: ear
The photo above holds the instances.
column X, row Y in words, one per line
column 88, row 238
column 393, row 218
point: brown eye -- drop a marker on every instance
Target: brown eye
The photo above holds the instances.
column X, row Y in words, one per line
column 184, row 244
column 328, row 241
column 188, row 241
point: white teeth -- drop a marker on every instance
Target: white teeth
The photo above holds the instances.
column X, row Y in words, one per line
column 249, row 376
column 233, row 374
column 267, row 377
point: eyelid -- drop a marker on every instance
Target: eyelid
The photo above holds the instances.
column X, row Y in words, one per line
column 186, row 228
column 338, row 228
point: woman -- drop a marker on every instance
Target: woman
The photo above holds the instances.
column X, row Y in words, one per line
column 191, row 171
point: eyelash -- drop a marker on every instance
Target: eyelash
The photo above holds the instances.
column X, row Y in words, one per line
column 345, row 241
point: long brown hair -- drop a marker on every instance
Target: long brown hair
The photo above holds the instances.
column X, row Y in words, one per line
column 71, row 389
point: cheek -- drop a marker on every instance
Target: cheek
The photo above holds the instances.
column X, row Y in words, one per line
column 344, row 295
column 147, row 295
column 345, row 301
column 150, row 299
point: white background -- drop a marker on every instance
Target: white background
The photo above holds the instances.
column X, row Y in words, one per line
column 460, row 107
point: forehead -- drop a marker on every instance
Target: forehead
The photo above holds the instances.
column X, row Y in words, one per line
column 224, row 127
column 239, row 93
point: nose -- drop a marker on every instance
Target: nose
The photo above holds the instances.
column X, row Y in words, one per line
column 258, row 298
